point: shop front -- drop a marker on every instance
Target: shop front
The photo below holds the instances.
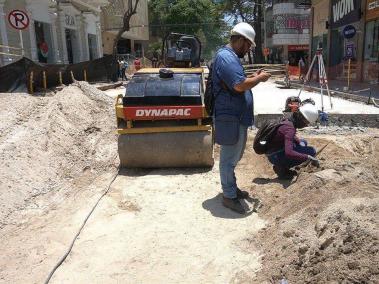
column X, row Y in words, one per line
column 371, row 45
column 346, row 39
column 44, row 41
column 295, row 53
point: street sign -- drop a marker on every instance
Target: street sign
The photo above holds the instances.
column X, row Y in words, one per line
column 18, row 19
column 349, row 50
column 349, row 31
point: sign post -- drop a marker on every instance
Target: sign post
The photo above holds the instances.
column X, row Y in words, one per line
column 19, row 20
column 349, row 55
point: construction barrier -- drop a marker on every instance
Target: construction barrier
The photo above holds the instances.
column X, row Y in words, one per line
column 26, row 75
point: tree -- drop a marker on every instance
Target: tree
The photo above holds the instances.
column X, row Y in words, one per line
column 128, row 9
column 250, row 11
column 196, row 17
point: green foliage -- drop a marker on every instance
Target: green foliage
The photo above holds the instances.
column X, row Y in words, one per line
column 202, row 18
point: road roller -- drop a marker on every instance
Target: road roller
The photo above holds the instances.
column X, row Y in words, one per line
column 161, row 118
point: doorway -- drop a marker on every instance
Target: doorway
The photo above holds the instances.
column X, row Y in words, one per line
column 44, row 42
column 69, row 45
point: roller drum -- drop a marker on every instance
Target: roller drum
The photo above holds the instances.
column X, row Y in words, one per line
column 166, row 150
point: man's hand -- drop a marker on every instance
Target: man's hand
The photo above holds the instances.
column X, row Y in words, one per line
column 252, row 81
column 255, row 74
column 263, row 76
column 314, row 161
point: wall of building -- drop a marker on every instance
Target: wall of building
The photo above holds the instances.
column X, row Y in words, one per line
column 112, row 22
column 320, row 18
column 340, row 19
column 371, row 43
column 57, row 32
column 290, row 36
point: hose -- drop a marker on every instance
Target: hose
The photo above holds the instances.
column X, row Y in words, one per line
column 63, row 258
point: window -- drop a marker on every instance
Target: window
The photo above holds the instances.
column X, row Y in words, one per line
column 372, row 41
column 92, row 46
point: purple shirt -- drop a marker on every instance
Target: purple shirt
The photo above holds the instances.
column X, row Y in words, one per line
column 285, row 137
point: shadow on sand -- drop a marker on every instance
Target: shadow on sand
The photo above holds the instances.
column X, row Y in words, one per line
column 283, row 182
column 214, row 205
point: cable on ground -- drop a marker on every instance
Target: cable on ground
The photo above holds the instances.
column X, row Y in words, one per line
column 63, row 258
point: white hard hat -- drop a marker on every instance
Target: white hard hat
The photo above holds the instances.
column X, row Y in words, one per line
column 245, row 30
column 310, row 112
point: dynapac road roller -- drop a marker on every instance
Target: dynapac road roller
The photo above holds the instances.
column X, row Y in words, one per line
column 161, row 119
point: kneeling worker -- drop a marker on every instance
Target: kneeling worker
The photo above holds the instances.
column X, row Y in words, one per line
column 287, row 150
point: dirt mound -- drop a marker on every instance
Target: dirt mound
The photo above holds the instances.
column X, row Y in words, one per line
column 47, row 142
column 323, row 227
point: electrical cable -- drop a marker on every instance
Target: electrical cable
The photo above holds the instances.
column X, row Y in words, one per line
column 63, row 258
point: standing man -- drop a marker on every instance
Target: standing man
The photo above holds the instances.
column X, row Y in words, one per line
column 233, row 109
column 301, row 69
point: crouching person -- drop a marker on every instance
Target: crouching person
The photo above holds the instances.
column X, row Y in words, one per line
column 286, row 149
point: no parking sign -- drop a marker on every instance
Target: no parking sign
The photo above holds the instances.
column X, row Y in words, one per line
column 350, row 50
column 18, row 19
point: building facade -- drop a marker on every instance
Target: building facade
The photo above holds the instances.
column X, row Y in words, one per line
column 58, row 31
column 134, row 41
column 348, row 32
column 319, row 28
column 371, row 43
column 290, row 31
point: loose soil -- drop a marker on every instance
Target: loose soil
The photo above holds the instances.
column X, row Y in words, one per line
column 59, row 154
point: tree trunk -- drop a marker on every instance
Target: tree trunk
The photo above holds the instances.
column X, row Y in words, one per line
column 126, row 23
column 258, row 16
column 115, row 41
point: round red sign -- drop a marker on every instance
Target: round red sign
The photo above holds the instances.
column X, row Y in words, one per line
column 18, row 19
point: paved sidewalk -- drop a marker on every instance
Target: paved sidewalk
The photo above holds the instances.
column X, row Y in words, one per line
column 270, row 98
column 356, row 87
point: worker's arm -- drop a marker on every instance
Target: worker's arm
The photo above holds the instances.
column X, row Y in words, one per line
column 251, row 82
column 289, row 134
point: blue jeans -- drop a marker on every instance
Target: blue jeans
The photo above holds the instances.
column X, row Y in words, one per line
column 279, row 158
column 229, row 157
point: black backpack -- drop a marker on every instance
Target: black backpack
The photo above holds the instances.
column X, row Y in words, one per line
column 209, row 96
column 264, row 136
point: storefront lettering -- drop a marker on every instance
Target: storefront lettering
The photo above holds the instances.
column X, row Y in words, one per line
column 344, row 12
column 373, row 5
column 342, row 8
column 291, row 24
column 70, row 20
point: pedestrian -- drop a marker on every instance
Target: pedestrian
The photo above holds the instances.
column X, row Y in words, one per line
column 125, row 66
column 286, row 150
column 137, row 64
column 301, row 69
column 119, row 68
column 155, row 59
column 233, row 110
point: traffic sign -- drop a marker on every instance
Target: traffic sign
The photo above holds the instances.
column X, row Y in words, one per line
column 18, row 19
column 349, row 50
column 349, row 31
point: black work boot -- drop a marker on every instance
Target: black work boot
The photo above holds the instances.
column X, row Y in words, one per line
column 284, row 173
column 242, row 194
column 233, row 204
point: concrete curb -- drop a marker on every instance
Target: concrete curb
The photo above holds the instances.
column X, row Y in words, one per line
column 337, row 119
column 334, row 93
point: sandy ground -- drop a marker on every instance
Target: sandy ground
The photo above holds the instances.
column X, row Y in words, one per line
column 168, row 226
